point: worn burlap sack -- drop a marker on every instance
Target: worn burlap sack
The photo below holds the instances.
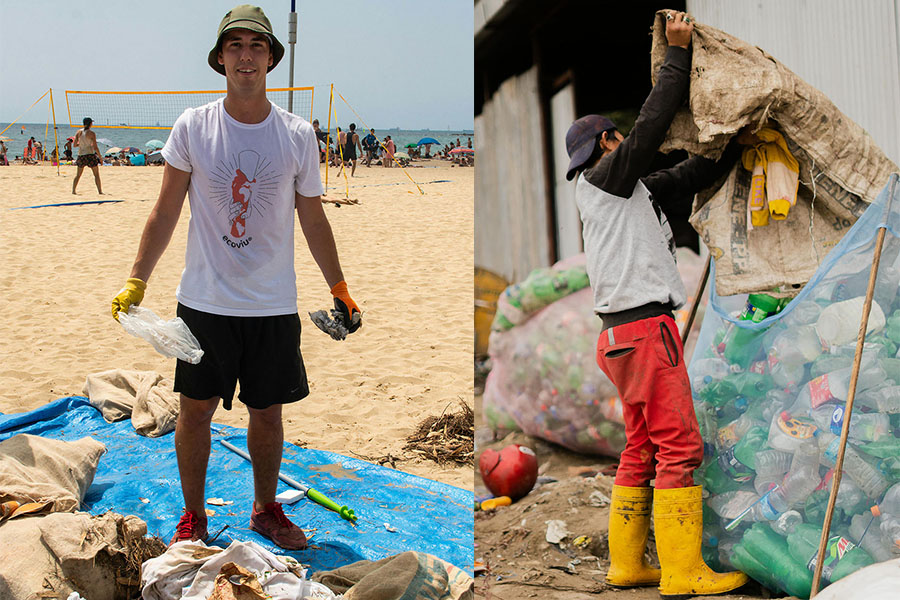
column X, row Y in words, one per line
column 145, row 396
column 56, row 472
column 51, row 556
column 734, row 84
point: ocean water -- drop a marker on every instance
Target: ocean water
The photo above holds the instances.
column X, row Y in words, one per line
column 109, row 137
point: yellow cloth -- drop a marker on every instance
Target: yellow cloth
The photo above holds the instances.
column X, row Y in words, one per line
column 776, row 177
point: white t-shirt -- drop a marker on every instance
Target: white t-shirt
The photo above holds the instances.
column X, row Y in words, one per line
column 240, row 249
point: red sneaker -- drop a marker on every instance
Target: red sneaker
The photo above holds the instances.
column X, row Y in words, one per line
column 271, row 523
column 189, row 528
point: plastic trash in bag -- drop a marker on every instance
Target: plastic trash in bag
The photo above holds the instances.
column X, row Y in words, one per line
column 170, row 338
column 770, row 398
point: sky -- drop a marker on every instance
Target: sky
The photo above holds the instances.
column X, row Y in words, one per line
column 399, row 63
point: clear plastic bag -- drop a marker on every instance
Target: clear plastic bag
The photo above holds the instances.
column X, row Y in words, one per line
column 770, row 398
column 170, row 338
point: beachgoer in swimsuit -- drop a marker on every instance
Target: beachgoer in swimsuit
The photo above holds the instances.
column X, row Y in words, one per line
column 88, row 154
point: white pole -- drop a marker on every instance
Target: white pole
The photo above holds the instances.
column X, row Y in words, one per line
column 292, row 40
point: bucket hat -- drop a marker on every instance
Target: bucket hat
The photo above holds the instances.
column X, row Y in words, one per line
column 580, row 140
column 249, row 17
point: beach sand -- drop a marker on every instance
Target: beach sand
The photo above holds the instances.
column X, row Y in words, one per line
column 407, row 259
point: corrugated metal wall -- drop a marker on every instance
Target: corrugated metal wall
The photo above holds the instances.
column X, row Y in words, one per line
column 511, row 218
column 848, row 50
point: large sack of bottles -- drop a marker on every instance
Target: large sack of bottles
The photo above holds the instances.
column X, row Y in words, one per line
column 544, row 379
column 770, row 380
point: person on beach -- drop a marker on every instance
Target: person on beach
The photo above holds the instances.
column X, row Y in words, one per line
column 238, row 291
column 350, row 143
column 389, row 149
column 88, row 154
column 370, row 144
column 67, row 152
column 636, row 287
column 3, row 150
column 321, row 138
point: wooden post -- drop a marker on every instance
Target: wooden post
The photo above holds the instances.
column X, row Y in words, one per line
column 851, row 392
column 697, row 297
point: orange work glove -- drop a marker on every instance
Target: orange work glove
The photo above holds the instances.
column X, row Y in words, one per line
column 343, row 303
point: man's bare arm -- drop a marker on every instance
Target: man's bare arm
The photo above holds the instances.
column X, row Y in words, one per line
column 161, row 222
column 319, row 238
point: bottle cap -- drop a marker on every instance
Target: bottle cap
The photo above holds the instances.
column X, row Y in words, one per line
column 876, row 511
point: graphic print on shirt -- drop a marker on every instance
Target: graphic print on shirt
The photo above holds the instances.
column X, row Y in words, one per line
column 243, row 190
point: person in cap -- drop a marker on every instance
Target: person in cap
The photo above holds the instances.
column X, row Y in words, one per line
column 636, row 288
column 88, row 154
column 247, row 165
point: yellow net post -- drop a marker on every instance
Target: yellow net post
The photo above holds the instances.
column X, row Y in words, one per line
column 55, row 131
column 340, row 152
column 328, row 138
column 380, row 144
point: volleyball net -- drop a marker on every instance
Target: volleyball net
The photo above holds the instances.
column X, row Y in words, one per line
column 159, row 110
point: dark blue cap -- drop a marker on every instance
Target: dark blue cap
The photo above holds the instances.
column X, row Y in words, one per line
column 580, row 140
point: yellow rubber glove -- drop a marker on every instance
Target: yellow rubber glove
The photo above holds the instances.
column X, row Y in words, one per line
column 350, row 312
column 132, row 293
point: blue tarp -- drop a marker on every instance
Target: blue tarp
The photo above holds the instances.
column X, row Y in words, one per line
column 424, row 515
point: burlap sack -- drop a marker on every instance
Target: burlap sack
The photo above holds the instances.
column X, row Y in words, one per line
column 36, row 469
column 406, row 575
column 734, row 84
column 51, row 556
column 145, row 396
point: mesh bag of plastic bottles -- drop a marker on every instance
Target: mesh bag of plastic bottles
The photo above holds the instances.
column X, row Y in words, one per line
column 769, row 394
column 544, row 379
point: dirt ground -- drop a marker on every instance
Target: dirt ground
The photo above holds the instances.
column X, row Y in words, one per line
column 510, row 542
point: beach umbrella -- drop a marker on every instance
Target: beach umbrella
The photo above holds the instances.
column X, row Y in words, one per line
column 410, row 146
column 114, row 150
column 132, row 149
column 401, row 155
column 427, row 140
column 155, row 144
column 462, row 151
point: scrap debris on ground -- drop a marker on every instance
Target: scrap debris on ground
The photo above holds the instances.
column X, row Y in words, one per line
column 447, row 439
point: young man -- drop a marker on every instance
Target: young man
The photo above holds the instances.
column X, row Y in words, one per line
column 238, row 291
column 636, row 286
column 88, row 154
column 370, row 144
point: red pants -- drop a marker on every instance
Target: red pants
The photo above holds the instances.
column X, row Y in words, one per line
column 645, row 361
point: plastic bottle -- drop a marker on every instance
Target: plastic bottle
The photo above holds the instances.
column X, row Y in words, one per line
column 771, row 466
column 714, row 479
column 787, row 433
column 890, row 533
column 867, row 477
column 728, row 436
column 740, row 345
column 766, row 556
column 885, row 398
column 865, row 532
column 850, row 498
column 800, row 481
column 834, row 386
column 890, row 504
column 867, row 427
column 892, row 331
column 749, row 446
column 705, row 371
column 730, row 504
column 842, row 556
column 805, row 312
column 747, row 384
column 839, row 322
column 786, row 523
column 795, row 346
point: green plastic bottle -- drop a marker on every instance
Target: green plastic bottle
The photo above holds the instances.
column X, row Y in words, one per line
column 886, row 447
column 842, row 556
column 715, row 480
column 752, row 442
column 741, row 345
column 892, row 328
column 771, row 550
column 746, row 384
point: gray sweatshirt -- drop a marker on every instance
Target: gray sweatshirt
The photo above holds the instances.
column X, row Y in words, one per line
column 627, row 238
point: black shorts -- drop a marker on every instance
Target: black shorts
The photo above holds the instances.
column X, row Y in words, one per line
column 263, row 353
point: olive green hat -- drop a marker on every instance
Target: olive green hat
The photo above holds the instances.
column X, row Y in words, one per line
column 246, row 17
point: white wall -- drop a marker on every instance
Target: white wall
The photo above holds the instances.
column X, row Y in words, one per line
column 847, row 50
column 568, row 221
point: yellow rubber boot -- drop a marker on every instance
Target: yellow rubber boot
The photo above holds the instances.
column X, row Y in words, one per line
column 678, row 516
column 629, row 527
